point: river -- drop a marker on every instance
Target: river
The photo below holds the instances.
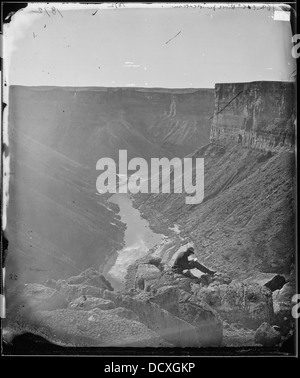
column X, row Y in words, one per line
column 138, row 238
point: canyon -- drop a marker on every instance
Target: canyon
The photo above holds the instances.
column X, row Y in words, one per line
column 62, row 233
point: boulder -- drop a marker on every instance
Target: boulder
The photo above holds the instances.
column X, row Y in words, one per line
column 87, row 302
column 154, row 260
column 221, row 278
column 249, row 304
column 284, row 295
column 89, row 277
column 69, row 291
column 91, row 290
column 72, row 292
column 282, row 304
column 206, row 321
column 190, row 324
column 237, row 336
column 146, row 275
column 172, row 328
column 89, row 282
column 270, row 280
column 169, row 278
column 95, row 328
column 266, row 335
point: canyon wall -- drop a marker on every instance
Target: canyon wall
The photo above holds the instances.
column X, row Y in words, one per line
column 258, row 114
column 88, row 123
column 246, row 222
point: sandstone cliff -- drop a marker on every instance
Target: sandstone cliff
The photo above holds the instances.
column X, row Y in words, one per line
column 257, row 114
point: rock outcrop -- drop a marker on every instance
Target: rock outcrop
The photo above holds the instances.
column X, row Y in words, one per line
column 87, row 302
column 95, row 328
column 201, row 329
column 270, row 280
column 282, row 302
column 257, row 114
column 267, row 336
column 206, row 321
column 146, row 275
column 89, row 277
column 133, row 320
column 248, row 304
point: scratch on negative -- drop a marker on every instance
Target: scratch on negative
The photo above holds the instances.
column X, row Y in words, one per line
column 173, row 37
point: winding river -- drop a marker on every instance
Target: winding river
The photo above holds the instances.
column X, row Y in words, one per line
column 139, row 238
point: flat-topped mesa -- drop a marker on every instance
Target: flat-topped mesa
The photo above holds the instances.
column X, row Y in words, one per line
column 259, row 114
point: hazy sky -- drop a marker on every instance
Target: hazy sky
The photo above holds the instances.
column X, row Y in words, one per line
column 134, row 47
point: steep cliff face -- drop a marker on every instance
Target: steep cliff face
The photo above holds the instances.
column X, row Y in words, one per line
column 185, row 123
column 257, row 114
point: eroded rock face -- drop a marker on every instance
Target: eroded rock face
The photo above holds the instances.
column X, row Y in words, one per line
column 282, row 303
column 266, row 335
column 87, row 302
column 270, row 280
column 182, row 323
column 204, row 328
column 208, row 324
column 90, row 282
column 89, row 277
column 95, row 328
column 248, row 304
column 72, row 292
column 146, row 275
column 125, row 313
column 256, row 114
column 247, row 219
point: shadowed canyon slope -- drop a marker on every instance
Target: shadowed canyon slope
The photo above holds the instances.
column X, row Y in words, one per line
column 57, row 224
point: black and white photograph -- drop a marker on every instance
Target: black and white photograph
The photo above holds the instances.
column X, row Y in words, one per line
column 149, row 181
